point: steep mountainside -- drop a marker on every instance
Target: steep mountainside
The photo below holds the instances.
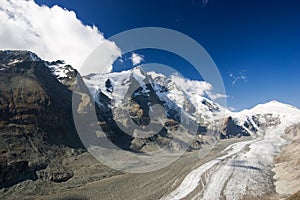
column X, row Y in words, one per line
column 35, row 117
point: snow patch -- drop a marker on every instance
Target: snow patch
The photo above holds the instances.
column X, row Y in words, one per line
column 137, row 74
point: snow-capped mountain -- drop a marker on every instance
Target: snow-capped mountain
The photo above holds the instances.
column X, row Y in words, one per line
column 181, row 107
column 271, row 113
column 181, row 99
column 180, row 96
column 175, row 92
column 60, row 69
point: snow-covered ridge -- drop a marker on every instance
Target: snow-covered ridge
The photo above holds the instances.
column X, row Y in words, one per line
column 274, row 107
column 10, row 58
column 177, row 92
column 119, row 82
column 60, row 69
column 287, row 114
column 181, row 93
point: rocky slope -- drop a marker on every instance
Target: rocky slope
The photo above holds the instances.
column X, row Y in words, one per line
column 287, row 164
column 36, row 126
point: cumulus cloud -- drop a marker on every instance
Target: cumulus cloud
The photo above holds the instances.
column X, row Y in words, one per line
column 215, row 96
column 136, row 58
column 53, row 33
column 201, row 88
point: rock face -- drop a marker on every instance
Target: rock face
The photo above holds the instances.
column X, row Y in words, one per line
column 212, row 107
column 231, row 129
column 14, row 172
column 35, row 116
column 56, row 174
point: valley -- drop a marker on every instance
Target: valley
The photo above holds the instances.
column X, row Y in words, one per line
column 244, row 171
column 93, row 180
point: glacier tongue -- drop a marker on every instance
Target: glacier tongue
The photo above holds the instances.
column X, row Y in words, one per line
column 245, row 169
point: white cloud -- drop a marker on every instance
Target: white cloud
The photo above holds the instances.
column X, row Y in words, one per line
column 53, row 33
column 136, row 58
column 215, row 96
column 201, row 88
column 231, row 108
column 241, row 76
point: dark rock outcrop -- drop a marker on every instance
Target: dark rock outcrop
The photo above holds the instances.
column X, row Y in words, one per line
column 231, row 129
column 14, row 172
column 56, row 174
column 212, row 107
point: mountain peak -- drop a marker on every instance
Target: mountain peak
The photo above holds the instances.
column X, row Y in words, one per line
column 274, row 107
column 10, row 57
column 138, row 70
column 276, row 103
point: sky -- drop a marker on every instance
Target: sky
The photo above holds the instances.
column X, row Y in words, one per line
column 254, row 43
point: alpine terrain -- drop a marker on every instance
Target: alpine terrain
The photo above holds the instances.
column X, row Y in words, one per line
column 47, row 138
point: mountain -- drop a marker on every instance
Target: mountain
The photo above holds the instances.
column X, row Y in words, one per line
column 35, row 117
column 181, row 100
column 41, row 103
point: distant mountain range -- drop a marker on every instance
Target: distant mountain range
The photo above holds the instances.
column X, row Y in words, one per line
column 37, row 127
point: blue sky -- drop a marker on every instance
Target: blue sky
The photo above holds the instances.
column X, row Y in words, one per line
column 254, row 43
